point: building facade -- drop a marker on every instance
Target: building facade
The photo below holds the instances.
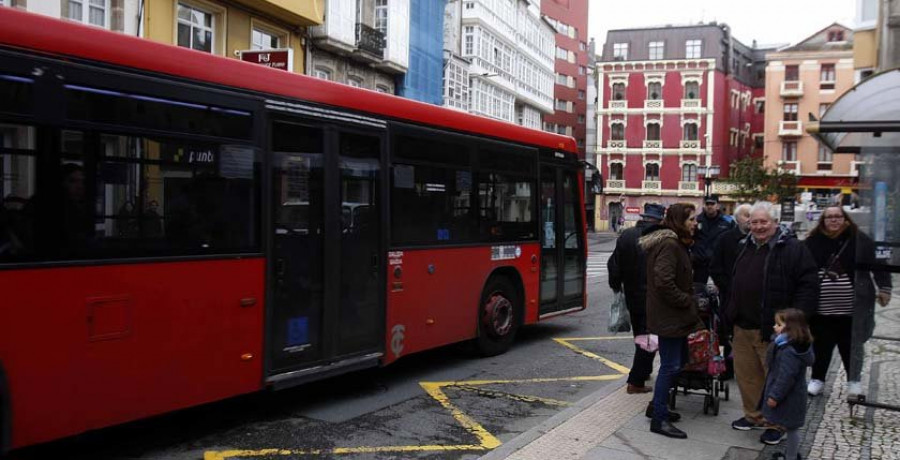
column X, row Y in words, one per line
column 228, row 28
column 670, row 102
column 422, row 80
column 116, row 15
column 362, row 43
column 803, row 80
column 569, row 18
column 499, row 60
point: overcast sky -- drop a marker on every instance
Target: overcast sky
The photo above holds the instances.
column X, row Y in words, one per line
column 766, row 21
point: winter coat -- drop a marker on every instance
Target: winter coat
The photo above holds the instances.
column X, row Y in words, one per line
column 864, row 289
column 708, row 231
column 725, row 252
column 628, row 267
column 790, row 279
column 786, row 383
column 671, row 307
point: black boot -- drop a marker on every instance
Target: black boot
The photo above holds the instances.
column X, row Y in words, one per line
column 673, row 416
column 667, row 429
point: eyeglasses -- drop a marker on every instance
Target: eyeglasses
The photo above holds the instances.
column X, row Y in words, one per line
column 834, row 217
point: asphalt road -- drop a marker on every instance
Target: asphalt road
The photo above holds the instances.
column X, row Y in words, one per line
column 442, row 404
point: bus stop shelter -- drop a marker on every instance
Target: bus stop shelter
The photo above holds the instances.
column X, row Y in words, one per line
column 865, row 121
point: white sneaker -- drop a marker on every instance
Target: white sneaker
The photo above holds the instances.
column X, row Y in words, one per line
column 815, row 387
column 854, row 388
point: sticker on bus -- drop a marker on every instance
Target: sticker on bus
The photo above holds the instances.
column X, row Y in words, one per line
column 506, row 252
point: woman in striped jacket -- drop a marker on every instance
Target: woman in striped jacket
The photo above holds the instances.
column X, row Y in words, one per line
column 846, row 312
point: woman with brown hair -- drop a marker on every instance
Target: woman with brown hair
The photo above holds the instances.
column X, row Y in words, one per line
column 845, row 315
column 671, row 307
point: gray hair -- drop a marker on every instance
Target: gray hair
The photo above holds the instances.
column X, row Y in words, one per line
column 742, row 209
column 766, row 207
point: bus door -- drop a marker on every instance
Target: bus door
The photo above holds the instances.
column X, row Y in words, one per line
column 326, row 311
column 562, row 241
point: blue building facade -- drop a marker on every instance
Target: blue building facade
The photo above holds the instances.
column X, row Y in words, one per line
column 423, row 80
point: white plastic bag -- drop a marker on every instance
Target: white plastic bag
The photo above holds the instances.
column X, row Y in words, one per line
column 619, row 321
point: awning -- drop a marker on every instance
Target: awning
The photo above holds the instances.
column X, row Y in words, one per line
column 867, row 115
column 826, row 181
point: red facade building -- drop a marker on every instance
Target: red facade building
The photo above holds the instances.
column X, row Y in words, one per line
column 570, row 18
column 671, row 102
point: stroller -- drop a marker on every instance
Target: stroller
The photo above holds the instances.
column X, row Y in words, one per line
column 705, row 362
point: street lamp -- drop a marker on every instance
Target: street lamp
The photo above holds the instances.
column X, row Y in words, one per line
column 709, row 175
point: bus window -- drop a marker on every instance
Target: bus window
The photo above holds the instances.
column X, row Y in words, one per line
column 506, row 207
column 431, row 205
column 17, row 184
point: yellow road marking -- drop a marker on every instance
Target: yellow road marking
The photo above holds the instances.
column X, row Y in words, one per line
column 485, row 438
column 514, row 397
column 618, row 367
column 487, row 441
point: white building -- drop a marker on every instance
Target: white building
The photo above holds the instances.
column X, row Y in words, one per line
column 498, row 60
column 116, row 15
column 363, row 43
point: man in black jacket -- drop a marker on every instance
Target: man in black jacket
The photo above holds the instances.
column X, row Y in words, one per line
column 627, row 267
column 725, row 251
column 711, row 223
column 773, row 271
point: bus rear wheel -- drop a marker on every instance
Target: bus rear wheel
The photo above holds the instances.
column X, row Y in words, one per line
column 499, row 317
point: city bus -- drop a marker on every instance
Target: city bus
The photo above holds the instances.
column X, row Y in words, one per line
column 179, row 228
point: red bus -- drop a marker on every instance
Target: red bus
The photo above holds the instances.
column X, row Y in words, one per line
column 178, row 228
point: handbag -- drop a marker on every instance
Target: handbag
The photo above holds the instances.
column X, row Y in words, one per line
column 619, row 320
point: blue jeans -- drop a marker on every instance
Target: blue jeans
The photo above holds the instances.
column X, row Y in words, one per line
column 671, row 353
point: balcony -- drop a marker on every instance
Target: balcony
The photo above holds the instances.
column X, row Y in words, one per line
column 370, row 43
column 615, row 184
column 791, row 89
column 615, row 145
column 650, row 144
column 723, row 188
column 653, row 185
column 655, row 104
column 688, row 186
column 618, row 105
column 690, row 144
column 690, row 103
column 790, row 166
column 790, row 128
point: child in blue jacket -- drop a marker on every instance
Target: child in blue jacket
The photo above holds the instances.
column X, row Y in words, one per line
column 784, row 397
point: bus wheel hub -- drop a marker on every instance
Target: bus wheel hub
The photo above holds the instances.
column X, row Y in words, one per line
column 498, row 312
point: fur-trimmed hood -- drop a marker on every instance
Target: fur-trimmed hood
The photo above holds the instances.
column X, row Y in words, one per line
column 655, row 235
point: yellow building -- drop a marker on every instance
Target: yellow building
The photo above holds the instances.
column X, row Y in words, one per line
column 803, row 80
column 229, row 27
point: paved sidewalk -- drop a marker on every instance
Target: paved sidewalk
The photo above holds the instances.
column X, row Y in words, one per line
column 610, row 424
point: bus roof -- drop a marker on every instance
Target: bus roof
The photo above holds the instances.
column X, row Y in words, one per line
column 49, row 35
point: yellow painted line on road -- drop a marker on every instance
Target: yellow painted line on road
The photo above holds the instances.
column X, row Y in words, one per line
column 511, row 396
column 485, row 438
column 616, row 366
column 487, row 441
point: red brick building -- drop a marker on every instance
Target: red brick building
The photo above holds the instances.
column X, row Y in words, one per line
column 672, row 101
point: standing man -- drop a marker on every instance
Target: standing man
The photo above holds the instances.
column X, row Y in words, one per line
column 773, row 271
column 628, row 267
column 710, row 224
column 725, row 251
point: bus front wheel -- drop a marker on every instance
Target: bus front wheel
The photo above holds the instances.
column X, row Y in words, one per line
column 499, row 317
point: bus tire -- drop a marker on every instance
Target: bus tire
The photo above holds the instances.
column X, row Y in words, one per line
column 499, row 316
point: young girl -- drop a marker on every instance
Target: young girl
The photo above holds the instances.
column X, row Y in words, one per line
column 784, row 397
